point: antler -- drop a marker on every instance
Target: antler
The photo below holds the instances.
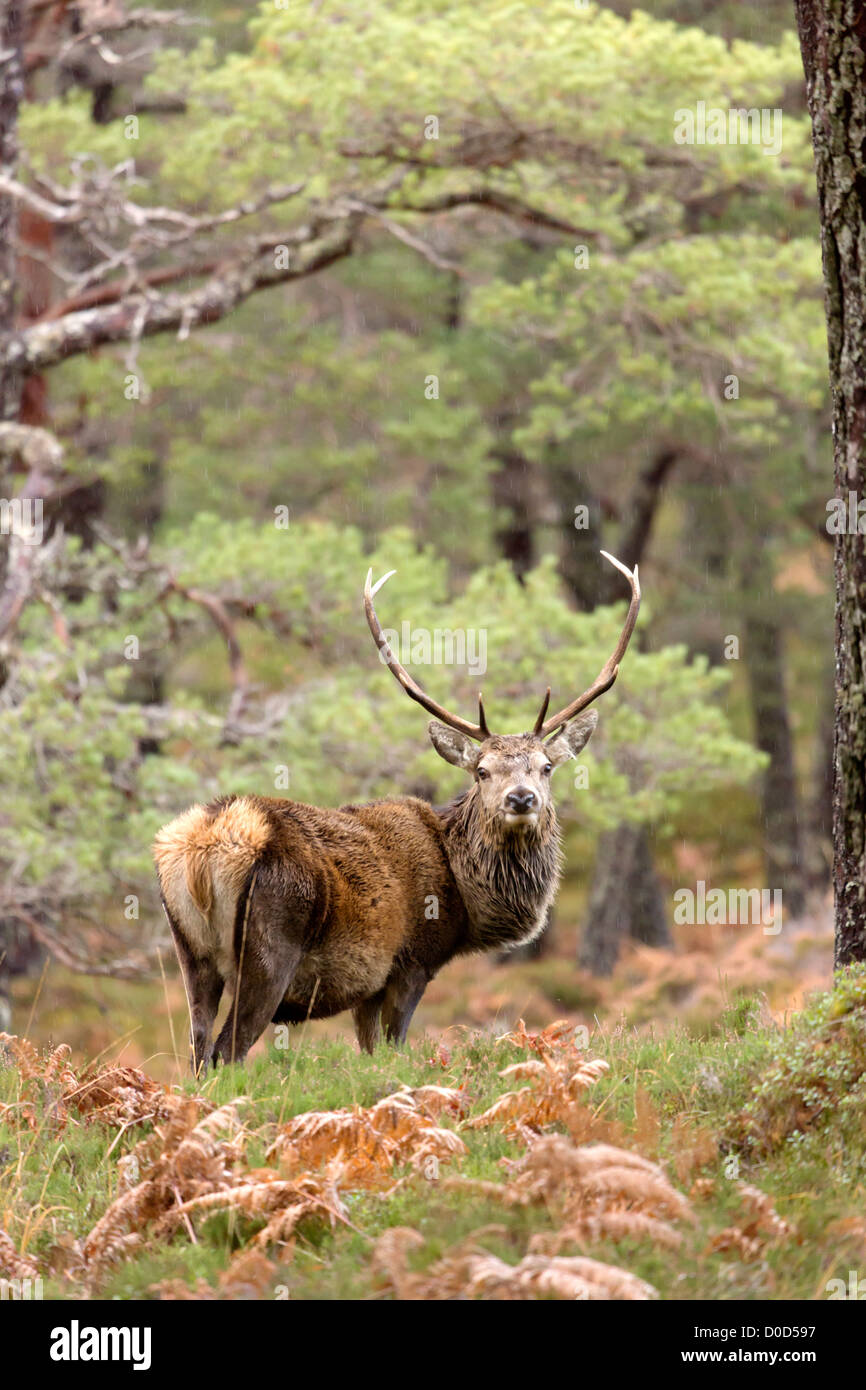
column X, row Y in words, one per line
column 608, row 673
column 478, row 731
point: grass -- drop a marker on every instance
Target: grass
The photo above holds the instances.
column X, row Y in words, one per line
column 780, row 1109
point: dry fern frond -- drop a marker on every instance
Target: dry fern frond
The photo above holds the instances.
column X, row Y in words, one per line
column 112, row 1094
column 468, row 1272
column 763, row 1213
column 608, row 1225
column 591, row 1192
column 764, row 1227
column 268, row 1195
column 249, row 1275
column 553, row 1038
column 370, row 1143
column 557, row 1081
column 522, row 1071
column 388, row 1261
column 181, row 1160
column 14, row 1265
column 23, row 1054
column 540, row 1276
column 192, row 1166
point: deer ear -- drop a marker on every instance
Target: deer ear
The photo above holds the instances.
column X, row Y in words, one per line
column 454, row 747
column 574, row 737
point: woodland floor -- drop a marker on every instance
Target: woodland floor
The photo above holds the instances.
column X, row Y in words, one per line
column 703, row 1141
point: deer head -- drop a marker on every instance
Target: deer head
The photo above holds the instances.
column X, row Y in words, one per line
column 512, row 772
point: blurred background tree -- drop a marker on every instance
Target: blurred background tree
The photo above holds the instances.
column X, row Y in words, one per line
column 315, row 288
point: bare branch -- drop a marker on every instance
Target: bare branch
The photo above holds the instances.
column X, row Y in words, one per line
column 49, row 39
column 27, row 554
column 505, row 203
column 87, row 199
column 136, row 966
column 219, row 615
column 52, row 212
column 38, row 449
column 44, row 344
column 126, row 309
column 402, row 234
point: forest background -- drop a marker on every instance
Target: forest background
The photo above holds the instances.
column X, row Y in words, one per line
column 472, row 308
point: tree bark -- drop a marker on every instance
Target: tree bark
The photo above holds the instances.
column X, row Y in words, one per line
column 833, row 44
column 782, row 841
column 11, row 93
column 821, row 805
column 13, row 946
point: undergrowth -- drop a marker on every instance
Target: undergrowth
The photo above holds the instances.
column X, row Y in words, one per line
column 725, row 1166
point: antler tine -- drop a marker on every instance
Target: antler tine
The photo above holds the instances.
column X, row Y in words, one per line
column 482, row 718
column 477, row 731
column 609, row 672
column 542, row 712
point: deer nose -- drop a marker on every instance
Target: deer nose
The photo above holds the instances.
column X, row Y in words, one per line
column 521, row 799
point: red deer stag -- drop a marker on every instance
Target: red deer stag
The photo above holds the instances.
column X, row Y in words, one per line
column 304, row 912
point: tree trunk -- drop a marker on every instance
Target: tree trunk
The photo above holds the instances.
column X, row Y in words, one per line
column 626, row 900
column 579, row 564
column 11, row 93
column 512, row 496
column 833, row 43
column 650, row 922
column 782, row 848
column 821, row 805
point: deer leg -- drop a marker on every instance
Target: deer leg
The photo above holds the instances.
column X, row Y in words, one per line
column 402, row 995
column 260, row 987
column 267, row 957
column 204, row 988
column 366, row 1018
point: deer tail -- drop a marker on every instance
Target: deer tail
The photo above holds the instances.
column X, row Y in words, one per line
column 204, row 860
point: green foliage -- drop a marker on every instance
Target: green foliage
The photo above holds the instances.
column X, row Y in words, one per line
column 814, row 1078
column 703, row 260
column 745, row 305
column 579, row 97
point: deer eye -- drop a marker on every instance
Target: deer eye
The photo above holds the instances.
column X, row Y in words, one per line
column 482, row 773
column 547, row 769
